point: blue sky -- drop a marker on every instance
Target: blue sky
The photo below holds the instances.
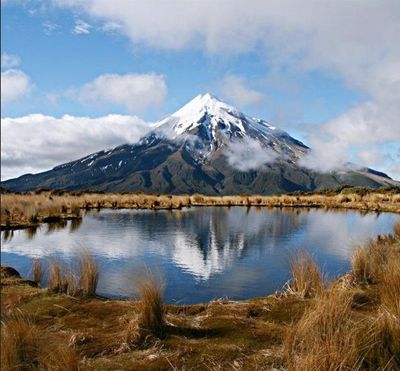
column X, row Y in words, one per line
column 309, row 73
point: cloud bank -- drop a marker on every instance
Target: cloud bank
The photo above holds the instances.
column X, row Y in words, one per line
column 25, row 141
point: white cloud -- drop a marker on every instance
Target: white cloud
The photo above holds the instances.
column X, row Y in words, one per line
column 37, row 142
column 235, row 89
column 49, row 27
column 111, row 27
column 14, row 84
column 249, row 154
column 372, row 158
column 353, row 41
column 360, row 135
column 136, row 92
column 9, row 61
column 81, row 27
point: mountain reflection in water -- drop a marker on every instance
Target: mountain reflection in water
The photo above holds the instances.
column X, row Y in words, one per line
column 202, row 253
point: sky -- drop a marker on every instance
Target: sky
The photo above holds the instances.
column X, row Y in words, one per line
column 78, row 76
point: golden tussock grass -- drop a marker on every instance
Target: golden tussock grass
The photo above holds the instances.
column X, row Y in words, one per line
column 66, row 281
column 396, row 230
column 306, row 280
column 37, row 270
column 387, row 326
column 55, row 282
column 369, row 262
column 25, row 347
column 325, row 338
column 151, row 308
column 88, row 274
column 32, row 208
column 335, row 333
column 353, row 324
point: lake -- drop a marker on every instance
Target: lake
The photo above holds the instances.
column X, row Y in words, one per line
column 199, row 253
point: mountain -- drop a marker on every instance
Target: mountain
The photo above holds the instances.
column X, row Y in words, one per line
column 205, row 147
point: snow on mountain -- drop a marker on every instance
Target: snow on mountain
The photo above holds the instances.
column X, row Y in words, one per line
column 207, row 147
column 218, row 124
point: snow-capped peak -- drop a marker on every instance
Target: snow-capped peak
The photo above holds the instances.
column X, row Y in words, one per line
column 210, row 112
column 206, row 103
column 216, row 123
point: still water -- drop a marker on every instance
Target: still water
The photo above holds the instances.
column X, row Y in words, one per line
column 199, row 253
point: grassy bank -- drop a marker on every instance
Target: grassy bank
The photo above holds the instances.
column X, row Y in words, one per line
column 27, row 210
column 350, row 324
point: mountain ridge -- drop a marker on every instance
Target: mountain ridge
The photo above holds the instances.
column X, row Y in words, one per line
column 207, row 147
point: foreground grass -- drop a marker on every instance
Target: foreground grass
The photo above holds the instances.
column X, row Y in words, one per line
column 350, row 324
column 30, row 209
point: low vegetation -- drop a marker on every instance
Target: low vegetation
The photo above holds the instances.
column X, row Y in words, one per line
column 352, row 323
column 307, row 280
column 79, row 282
column 37, row 271
column 25, row 346
column 29, row 209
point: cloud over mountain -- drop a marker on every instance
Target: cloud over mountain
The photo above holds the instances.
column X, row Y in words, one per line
column 350, row 41
column 25, row 141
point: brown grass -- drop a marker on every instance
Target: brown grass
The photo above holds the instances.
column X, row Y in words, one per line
column 326, row 338
column 396, row 230
column 307, row 280
column 389, row 288
column 89, row 274
column 368, row 262
column 337, row 334
column 23, row 347
column 66, row 281
column 56, row 282
column 151, row 308
column 37, row 270
column 19, row 210
column 386, row 328
column 354, row 324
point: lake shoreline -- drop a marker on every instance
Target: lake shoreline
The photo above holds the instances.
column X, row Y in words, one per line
column 357, row 314
column 21, row 211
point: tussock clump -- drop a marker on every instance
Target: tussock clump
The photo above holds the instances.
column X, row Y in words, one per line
column 326, row 337
column 56, row 281
column 89, row 274
column 389, row 289
column 386, row 328
column 368, row 262
column 19, row 348
column 37, row 270
column 151, row 308
column 66, row 281
column 396, row 230
column 25, row 347
column 307, row 280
